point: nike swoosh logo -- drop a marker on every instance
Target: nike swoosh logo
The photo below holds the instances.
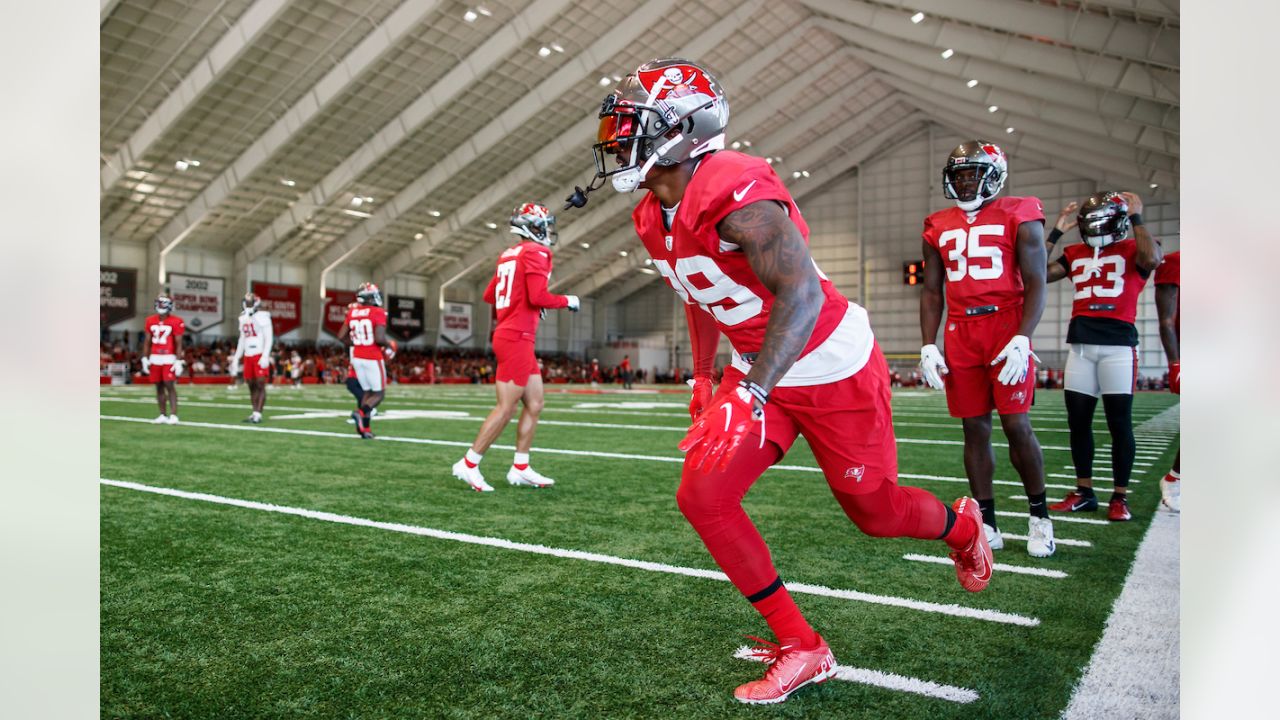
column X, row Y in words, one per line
column 1080, row 504
column 728, row 415
column 739, row 194
column 786, row 686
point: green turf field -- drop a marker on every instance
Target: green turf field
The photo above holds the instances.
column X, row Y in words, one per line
column 215, row 610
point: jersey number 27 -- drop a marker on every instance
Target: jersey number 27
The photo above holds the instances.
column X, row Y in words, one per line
column 502, row 293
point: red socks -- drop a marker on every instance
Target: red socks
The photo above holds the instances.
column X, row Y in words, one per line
column 785, row 620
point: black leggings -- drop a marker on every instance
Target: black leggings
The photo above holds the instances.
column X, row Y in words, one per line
column 1119, row 412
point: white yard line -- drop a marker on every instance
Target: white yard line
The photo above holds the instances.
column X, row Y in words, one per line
column 908, row 603
column 1061, row 541
column 888, row 681
column 1056, row 518
column 553, row 451
column 1002, row 567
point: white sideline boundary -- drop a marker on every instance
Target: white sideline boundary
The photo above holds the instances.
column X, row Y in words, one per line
column 888, row 681
column 1002, row 567
column 552, row 451
column 807, row 588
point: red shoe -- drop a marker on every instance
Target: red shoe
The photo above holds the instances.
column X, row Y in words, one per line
column 1118, row 510
column 790, row 669
column 973, row 563
column 1075, row 502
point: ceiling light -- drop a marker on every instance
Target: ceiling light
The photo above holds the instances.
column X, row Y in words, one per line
column 585, row 245
column 557, row 47
column 357, row 201
column 746, row 143
column 356, row 213
column 1008, row 131
column 287, row 182
column 769, row 160
column 648, row 271
column 1155, row 185
column 417, row 236
column 180, row 165
column 648, row 261
column 617, row 79
column 604, row 82
column 484, row 11
column 795, row 174
column 469, row 15
column 145, row 187
column 946, row 54
column 992, row 108
column 491, row 226
column 804, row 173
column 433, row 213
column 917, row 18
column 972, row 83
column 544, row 51
column 623, row 253
column 192, row 163
column 736, row 145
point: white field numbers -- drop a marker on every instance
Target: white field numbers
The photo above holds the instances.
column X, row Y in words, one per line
column 160, row 334
column 502, row 293
column 361, row 331
column 1089, row 284
column 969, row 247
column 746, row 303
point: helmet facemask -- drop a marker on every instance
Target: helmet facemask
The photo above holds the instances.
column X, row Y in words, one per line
column 1103, row 224
column 369, row 294
column 164, row 304
column 534, row 222
column 971, row 184
column 251, row 303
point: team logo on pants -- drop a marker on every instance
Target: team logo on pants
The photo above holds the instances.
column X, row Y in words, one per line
column 855, row 473
column 1019, row 396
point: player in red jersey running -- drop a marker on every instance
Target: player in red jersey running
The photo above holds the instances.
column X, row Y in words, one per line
column 162, row 357
column 1169, row 310
column 1109, row 273
column 727, row 237
column 254, row 347
column 366, row 326
column 990, row 253
column 518, row 291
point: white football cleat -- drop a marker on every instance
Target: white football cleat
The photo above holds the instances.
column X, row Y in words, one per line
column 162, row 420
column 530, row 477
column 1040, row 537
column 1171, row 494
column 172, row 420
column 471, row 476
column 994, row 538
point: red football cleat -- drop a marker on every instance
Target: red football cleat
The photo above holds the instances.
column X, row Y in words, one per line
column 1075, row 502
column 973, row 563
column 1118, row 510
column 790, row 669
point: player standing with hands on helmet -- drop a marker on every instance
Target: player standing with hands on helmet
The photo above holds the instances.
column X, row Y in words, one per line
column 989, row 252
column 726, row 235
column 1109, row 272
column 365, row 329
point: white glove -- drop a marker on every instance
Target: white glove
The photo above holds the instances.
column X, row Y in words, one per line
column 1015, row 356
column 234, row 370
column 146, row 364
column 933, row 366
column 178, row 367
column 264, row 362
column 574, row 303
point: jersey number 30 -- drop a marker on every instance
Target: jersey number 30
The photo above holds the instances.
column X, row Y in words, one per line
column 969, row 247
column 362, row 331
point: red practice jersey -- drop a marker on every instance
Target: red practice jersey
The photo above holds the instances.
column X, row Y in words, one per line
column 518, row 290
column 980, row 254
column 1106, row 297
column 705, row 270
column 361, row 320
column 1169, row 273
column 164, row 333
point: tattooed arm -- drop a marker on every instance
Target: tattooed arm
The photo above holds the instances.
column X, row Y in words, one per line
column 780, row 258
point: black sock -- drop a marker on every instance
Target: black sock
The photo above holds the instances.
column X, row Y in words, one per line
column 1120, row 496
column 1082, row 491
column 368, row 416
column 988, row 508
column 1038, row 505
column 951, row 521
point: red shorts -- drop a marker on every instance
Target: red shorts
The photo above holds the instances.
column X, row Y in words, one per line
column 516, row 361
column 252, row 371
column 848, row 424
column 972, row 385
column 162, row 373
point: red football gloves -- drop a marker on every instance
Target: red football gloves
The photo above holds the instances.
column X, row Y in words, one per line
column 715, row 436
column 1175, row 377
column 702, row 392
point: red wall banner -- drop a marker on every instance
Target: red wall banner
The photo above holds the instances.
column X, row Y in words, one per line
column 284, row 302
column 335, row 309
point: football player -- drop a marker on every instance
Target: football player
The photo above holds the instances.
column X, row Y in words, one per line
column 162, row 357
column 1108, row 272
column 1169, row 310
column 365, row 330
column 989, row 253
column 518, row 292
column 254, row 349
column 725, row 234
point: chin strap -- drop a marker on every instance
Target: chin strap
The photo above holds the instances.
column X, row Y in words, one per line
column 628, row 180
